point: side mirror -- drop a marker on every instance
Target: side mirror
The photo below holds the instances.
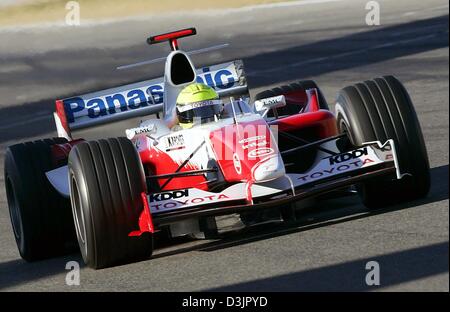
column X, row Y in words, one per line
column 264, row 105
column 147, row 130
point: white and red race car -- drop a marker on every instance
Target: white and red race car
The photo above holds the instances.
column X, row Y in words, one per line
column 261, row 154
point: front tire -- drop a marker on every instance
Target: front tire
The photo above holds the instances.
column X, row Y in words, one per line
column 106, row 182
column 378, row 110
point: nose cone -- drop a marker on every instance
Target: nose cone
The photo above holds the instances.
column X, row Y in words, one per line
column 268, row 169
column 247, row 152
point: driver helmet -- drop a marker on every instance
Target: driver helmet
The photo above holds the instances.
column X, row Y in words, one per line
column 197, row 101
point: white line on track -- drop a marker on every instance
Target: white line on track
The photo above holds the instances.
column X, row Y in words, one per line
column 279, row 5
column 339, row 55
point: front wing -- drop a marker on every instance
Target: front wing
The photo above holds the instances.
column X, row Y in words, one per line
column 327, row 174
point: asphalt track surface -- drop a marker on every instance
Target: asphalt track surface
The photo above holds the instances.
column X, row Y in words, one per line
column 328, row 248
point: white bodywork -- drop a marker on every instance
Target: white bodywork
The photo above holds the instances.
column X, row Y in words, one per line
column 322, row 169
column 172, row 90
column 375, row 154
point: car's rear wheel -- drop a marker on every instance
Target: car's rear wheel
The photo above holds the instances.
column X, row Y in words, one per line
column 41, row 218
column 378, row 110
column 106, row 182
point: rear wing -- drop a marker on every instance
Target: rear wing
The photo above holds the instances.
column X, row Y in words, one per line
column 139, row 99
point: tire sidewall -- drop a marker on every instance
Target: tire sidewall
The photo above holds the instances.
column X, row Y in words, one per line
column 82, row 222
column 12, row 175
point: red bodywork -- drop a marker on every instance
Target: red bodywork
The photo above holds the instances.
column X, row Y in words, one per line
column 60, row 152
column 172, row 37
column 320, row 122
column 237, row 148
column 161, row 163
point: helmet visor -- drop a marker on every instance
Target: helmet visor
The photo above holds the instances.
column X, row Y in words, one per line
column 203, row 110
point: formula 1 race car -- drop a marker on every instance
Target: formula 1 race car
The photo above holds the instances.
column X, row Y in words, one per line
column 137, row 174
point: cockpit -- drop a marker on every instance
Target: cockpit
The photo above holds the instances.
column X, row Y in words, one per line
column 213, row 111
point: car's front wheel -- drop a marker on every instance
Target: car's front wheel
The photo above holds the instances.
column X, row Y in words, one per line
column 106, row 182
column 378, row 110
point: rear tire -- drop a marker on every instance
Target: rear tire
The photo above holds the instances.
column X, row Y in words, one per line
column 106, row 182
column 378, row 110
column 41, row 218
